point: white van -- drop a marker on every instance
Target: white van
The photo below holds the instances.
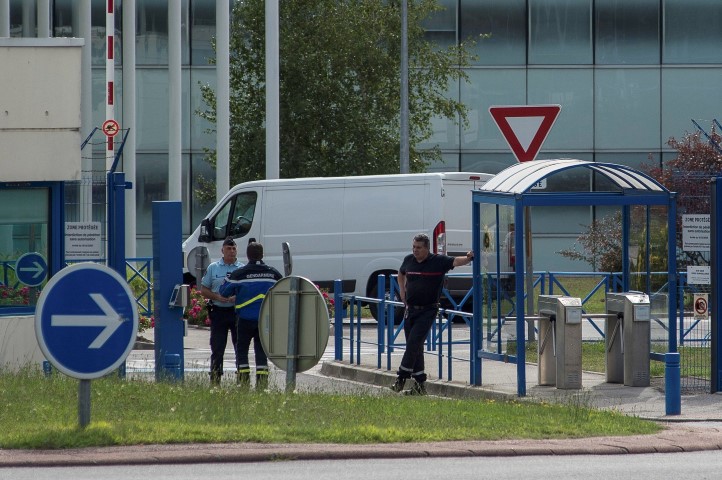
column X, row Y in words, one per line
column 348, row 228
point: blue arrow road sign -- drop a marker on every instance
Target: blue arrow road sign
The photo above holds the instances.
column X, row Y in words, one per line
column 86, row 320
column 31, row 269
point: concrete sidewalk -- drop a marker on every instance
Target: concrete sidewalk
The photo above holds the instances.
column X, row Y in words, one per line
column 699, row 427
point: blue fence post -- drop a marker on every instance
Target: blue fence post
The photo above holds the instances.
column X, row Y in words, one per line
column 337, row 320
column 716, row 295
column 167, row 273
column 672, row 391
column 116, row 186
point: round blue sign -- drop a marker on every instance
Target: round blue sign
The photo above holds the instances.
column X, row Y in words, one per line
column 86, row 320
column 31, row 269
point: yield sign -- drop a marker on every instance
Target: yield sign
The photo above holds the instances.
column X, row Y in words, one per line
column 525, row 127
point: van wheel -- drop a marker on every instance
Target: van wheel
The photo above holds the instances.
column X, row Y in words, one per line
column 372, row 291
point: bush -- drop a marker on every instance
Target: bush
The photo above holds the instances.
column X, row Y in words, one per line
column 197, row 312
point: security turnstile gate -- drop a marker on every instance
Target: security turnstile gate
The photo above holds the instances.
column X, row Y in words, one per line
column 560, row 341
column 627, row 338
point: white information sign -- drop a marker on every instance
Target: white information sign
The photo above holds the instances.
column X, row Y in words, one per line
column 82, row 240
column 699, row 275
column 695, row 233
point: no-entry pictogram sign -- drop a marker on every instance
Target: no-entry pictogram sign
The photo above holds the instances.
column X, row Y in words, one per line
column 525, row 127
column 111, row 128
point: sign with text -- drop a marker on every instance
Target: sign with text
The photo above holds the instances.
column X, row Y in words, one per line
column 82, row 240
column 695, row 233
column 699, row 275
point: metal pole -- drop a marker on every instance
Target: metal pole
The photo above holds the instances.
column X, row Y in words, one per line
column 273, row 150
column 529, row 272
column 129, row 119
column 83, row 403
column 292, row 350
column 223, row 112
column 175, row 100
column 716, row 295
column 404, row 134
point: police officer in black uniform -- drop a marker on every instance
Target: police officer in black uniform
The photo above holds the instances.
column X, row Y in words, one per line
column 421, row 278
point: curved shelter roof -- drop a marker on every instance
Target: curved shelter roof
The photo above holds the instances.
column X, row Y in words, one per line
column 521, row 177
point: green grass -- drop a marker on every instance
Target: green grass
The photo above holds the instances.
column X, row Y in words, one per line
column 41, row 412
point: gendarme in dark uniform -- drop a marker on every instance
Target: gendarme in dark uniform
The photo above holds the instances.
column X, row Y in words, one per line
column 421, row 278
column 249, row 286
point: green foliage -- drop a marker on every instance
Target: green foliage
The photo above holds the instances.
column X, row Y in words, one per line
column 600, row 245
column 339, row 88
column 40, row 412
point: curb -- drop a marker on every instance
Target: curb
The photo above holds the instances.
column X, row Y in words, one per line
column 676, row 438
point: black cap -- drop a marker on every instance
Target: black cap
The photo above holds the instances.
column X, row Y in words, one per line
column 229, row 241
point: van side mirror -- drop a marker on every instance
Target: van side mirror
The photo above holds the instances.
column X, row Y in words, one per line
column 206, row 228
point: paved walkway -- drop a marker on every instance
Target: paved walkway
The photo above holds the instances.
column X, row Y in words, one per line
column 698, row 428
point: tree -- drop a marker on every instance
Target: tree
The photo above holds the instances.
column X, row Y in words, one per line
column 698, row 160
column 339, row 87
column 600, row 244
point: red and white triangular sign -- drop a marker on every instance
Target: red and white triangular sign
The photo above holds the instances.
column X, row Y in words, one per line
column 525, row 127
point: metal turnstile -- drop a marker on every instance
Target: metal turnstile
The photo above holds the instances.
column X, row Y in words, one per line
column 560, row 341
column 627, row 338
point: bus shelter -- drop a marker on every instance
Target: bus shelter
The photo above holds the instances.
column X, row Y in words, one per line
column 564, row 183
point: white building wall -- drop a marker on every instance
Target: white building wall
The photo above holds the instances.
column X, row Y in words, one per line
column 40, row 109
column 18, row 344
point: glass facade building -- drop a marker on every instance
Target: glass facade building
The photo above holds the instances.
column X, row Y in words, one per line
column 628, row 74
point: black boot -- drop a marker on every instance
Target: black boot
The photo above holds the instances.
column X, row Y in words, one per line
column 215, row 378
column 261, row 380
column 398, row 384
column 417, row 388
column 243, row 377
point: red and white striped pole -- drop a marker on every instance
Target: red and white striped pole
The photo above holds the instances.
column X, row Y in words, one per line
column 110, row 76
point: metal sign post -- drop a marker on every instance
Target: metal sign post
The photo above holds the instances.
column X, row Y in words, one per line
column 294, row 326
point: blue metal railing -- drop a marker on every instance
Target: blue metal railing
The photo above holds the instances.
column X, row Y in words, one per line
column 387, row 338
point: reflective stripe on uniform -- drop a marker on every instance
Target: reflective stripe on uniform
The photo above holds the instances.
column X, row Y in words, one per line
column 248, row 302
